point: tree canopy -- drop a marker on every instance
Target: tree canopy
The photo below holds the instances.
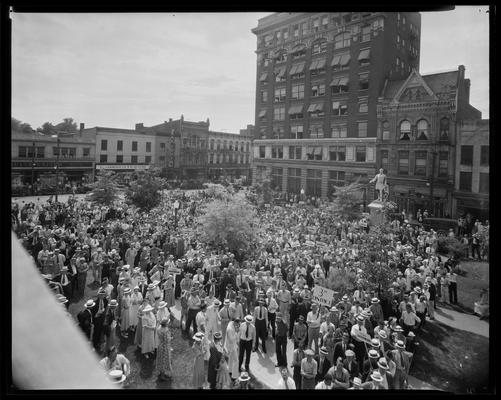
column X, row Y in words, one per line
column 347, row 200
column 104, row 190
column 145, row 190
column 231, row 223
column 19, row 126
column 68, row 125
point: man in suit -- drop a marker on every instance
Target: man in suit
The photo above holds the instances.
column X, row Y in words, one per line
column 85, row 319
column 98, row 312
column 216, row 352
column 261, row 321
column 341, row 347
column 323, row 364
column 110, row 325
column 65, row 279
column 350, row 365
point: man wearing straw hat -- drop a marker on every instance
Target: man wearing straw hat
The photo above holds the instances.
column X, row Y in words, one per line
column 323, row 364
column 309, row 369
column 359, row 334
column 86, row 319
column 247, row 338
column 402, row 362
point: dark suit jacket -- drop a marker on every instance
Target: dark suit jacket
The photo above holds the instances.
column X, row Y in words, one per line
column 325, row 367
column 338, row 350
column 108, row 319
column 214, row 359
column 85, row 320
column 354, row 370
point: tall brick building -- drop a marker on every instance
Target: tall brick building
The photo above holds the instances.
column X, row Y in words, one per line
column 418, row 133
column 319, row 76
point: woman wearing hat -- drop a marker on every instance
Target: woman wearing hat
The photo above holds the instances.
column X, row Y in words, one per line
column 149, row 323
column 164, row 337
column 231, row 347
column 125, row 310
column 198, row 364
column 168, row 288
column 136, row 300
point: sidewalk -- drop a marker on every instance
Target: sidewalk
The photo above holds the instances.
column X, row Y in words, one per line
column 465, row 322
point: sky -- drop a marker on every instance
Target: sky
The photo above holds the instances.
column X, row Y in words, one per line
column 116, row 70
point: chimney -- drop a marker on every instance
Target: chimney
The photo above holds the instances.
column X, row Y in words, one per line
column 139, row 126
column 461, row 71
column 82, row 127
column 170, row 119
column 467, row 85
column 208, row 123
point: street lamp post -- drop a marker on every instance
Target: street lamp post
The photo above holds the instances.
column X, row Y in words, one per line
column 57, row 166
column 33, row 170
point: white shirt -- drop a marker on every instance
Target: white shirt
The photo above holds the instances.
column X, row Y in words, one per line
column 290, row 383
column 323, row 385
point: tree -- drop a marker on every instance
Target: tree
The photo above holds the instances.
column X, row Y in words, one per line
column 377, row 272
column 104, row 190
column 263, row 190
column 68, row 125
column 347, row 200
column 340, row 280
column 231, row 223
column 145, row 190
column 19, row 126
column 47, row 129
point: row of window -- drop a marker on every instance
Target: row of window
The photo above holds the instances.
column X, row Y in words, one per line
column 103, row 158
column 228, row 158
column 466, row 155
column 317, row 66
column 418, row 131
column 219, row 145
column 316, row 130
column 315, row 153
column 339, row 85
column 420, row 162
column 120, row 145
column 39, row 152
column 315, row 110
column 318, row 24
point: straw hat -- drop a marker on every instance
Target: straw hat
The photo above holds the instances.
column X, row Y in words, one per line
column 148, row 308
column 400, row 344
column 90, row 303
column 218, row 336
column 375, row 300
column 382, row 363
column 198, row 336
column 357, row 381
column 127, row 290
column 309, row 352
column 398, row 328
column 323, row 350
column 116, row 376
column 162, row 304
column 376, row 376
column 349, row 353
column 373, row 353
column 113, row 303
column 244, row 376
column 248, row 318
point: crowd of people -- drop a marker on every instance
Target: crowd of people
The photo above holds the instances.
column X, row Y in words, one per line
column 235, row 303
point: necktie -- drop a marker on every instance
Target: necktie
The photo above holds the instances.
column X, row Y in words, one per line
column 100, row 306
column 261, row 312
column 64, row 280
column 286, row 384
column 247, row 332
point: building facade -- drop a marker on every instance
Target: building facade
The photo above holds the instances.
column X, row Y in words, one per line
column 418, row 135
column 319, row 76
column 471, row 188
column 229, row 154
column 35, row 160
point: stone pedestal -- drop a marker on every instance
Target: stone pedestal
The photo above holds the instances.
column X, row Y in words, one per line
column 376, row 215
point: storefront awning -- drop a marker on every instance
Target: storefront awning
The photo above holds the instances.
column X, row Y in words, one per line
column 364, row 55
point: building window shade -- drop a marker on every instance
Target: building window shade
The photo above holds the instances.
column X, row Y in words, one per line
column 296, row 69
column 311, row 108
column 317, row 151
column 336, row 61
column 364, row 55
column 317, row 64
column 262, row 113
column 345, row 60
column 295, row 110
column 313, row 65
column 264, row 76
column 280, row 72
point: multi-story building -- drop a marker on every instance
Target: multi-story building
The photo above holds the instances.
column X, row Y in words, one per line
column 418, row 121
column 123, row 149
column 229, row 154
column 471, row 188
column 35, row 160
column 319, row 76
column 190, row 150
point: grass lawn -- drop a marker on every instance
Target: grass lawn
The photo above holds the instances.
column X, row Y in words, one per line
column 451, row 359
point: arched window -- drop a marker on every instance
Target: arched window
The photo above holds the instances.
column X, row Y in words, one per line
column 247, row 146
column 422, row 130
column 444, row 128
column 281, row 56
column 299, row 51
column 319, row 46
column 405, row 130
column 218, row 144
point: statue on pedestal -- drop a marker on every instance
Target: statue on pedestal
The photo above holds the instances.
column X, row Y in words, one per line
column 381, row 185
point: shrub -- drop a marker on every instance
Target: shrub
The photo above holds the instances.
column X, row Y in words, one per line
column 451, row 246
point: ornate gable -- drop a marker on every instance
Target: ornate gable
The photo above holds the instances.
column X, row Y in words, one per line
column 414, row 90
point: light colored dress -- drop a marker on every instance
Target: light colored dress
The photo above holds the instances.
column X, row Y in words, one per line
column 136, row 301
column 148, row 344
column 138, row 338
column 169, row 294
column 223, row 380
column 162, row 313
column 198, row 367
column 125, row 322
column 163, row 353
column 231, row 348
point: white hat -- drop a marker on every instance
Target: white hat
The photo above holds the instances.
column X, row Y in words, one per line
column 248, row 318
column 148, row 308
column 376, row 376
column 244, row 376
column 382, row 363
column 374, row 300
column 162, row 304
column 375, row 342
column 373, row 353
column 127, row 290
column 116, row 376
column 90, row 303
column 198, row 336
column 226, row 301
column 357, row 381
column 349, row 353
column 400, row 344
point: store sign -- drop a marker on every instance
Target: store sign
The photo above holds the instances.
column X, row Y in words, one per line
column 123, row 167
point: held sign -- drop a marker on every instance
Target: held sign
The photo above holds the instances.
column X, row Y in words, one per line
column 323, row 296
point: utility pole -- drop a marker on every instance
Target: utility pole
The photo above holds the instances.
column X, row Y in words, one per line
column 57, row 165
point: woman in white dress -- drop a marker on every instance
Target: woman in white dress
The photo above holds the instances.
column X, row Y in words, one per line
column 149, row 321
column 136, row 299
column 161, row 314
column 231, row 345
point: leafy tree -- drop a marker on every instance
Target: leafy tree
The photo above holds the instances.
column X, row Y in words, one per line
column 231, row 223
column 68, row 125
column 263, row 189
column 19, row 126
column 347, row 201
column 47, row 129
column 145, row 190
column 451, row 246
column 340, row 280
column 377, row 273
column 104, row 190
